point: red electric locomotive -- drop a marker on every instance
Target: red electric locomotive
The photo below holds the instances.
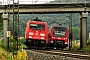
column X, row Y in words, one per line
column 36, row 33
column 59, row 36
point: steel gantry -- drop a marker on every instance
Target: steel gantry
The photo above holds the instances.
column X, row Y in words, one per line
column 16, row 29
column 6, row 26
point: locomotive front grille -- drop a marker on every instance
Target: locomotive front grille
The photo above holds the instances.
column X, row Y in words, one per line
column 37, row 42
column 43, row 42
column 59, row 42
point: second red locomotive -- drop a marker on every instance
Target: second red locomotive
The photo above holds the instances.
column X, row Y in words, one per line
column 59, row 36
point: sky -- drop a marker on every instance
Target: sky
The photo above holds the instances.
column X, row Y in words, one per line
column 5, row 2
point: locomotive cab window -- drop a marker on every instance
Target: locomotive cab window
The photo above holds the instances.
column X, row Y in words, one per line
column 59, row 31
column 37, row 26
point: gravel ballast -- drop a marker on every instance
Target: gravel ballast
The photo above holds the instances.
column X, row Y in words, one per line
column 32, row 55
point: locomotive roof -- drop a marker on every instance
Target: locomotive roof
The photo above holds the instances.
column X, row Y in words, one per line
column 38, row 22
column 60, row 25
column 36, row 19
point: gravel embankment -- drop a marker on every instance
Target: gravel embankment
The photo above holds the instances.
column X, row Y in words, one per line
column 32, row 55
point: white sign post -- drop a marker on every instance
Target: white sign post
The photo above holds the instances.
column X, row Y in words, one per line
column 8, row 33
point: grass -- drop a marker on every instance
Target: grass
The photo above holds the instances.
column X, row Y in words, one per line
column 76, row 46
column 4, row 54
column 86, row 48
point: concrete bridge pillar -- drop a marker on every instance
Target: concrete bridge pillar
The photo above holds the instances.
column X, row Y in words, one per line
column 83, row 30
column 5, row 28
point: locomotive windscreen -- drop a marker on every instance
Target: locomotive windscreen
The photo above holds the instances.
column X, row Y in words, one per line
column 60, row 31
column 37, row 26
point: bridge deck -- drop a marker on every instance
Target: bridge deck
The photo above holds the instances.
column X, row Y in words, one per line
column 48, row 8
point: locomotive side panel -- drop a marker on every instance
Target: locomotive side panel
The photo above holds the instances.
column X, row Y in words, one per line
column 27, row 31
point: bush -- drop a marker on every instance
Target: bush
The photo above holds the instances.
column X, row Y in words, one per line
column 20, row 43
column 21, row 55
column 86, row 48
column 7, row 55
column 88, row 41
column 2, row 44
column 75, row 48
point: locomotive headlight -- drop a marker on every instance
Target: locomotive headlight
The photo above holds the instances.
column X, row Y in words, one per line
column 66, row 43
column 53, row 37
column 51, row 41
column 30, row 33
column 42, row 34
column 65, row 38
column 59, row 38
column 30, row 36
column 42, row 37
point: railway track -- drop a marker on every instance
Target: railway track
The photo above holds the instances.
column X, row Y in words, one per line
column 69, row 54
column 66, row 53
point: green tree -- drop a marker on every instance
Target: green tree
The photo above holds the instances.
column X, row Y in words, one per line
column 76, row 33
